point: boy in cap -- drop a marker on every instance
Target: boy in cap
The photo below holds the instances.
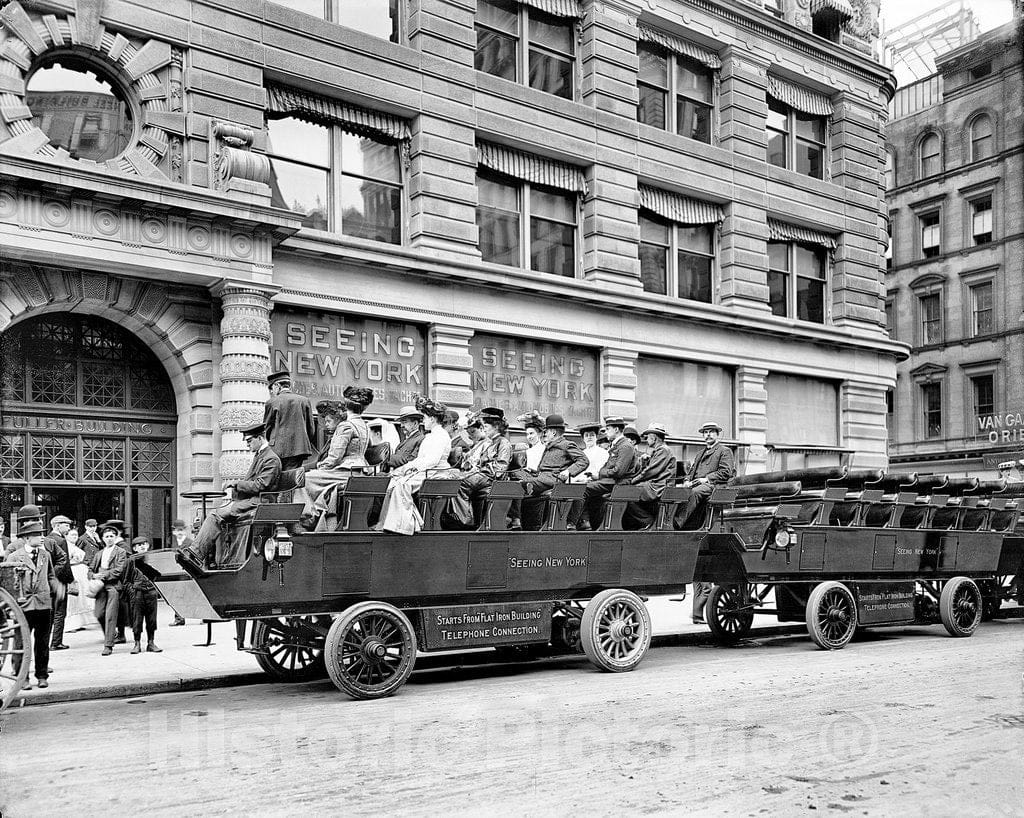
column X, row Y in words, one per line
column 38, row 582
column 263, row 475
column 289, row 422
column 90, row 541
column 143, row 598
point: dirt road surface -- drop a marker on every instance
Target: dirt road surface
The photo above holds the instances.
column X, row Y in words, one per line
column 903, row 722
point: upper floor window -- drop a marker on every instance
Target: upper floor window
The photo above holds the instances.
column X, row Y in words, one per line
column 890, row 316
column 516, row 41
column 981, row 138
column 931, row 155
column 982, row 309
column 931, row 318
column 931, row 400
column 796, row 280
column 981, row 70
column 984, row 389
column 381, row 18
column 888, row 244
column 981, row 220
column 677, row 85
column 338, row 181
column 889, row 179
column 796, row 140
column 931, row 234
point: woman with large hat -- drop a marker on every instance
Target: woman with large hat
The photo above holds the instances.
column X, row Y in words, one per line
column 400, row 514
column 346, row 454
column 596, row 455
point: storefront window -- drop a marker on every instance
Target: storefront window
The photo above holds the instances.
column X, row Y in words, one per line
column 683, row 395
column 789, row 420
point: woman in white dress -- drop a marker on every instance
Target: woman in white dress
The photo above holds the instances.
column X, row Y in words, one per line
column 79, row 606
column 595, row 454
column 400, row 514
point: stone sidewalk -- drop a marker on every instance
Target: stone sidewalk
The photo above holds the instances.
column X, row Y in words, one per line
column 81, row 673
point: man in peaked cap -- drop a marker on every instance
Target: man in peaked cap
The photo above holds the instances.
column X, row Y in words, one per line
column 409, row 419
column 263, row 475
column 38, row 582
column 561, row 461
column 657, row 472
column 289, row 421
column 55, row 541
column 619, row 467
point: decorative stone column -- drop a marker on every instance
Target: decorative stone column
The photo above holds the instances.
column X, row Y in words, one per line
column 450, row 364
column 244, row 366
column 752, row 417
column 618, row 383
column 862, row 422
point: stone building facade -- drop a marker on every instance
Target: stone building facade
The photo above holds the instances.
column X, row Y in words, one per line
column 670, row 211
column 955, row 175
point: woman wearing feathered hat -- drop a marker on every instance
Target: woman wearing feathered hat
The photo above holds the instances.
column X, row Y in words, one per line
column 400, row 514
column 346, row 454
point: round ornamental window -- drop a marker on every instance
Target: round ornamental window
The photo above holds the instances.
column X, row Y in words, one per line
column 80, row 108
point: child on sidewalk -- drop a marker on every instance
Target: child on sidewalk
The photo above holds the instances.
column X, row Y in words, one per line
column 143, row 598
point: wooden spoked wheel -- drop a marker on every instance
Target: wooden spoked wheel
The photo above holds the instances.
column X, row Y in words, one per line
column 960, row 606
column 291, row 648
column 371, row 650
column 14, row 641
column 831, row 615
column 615, row 630
column 729, row 612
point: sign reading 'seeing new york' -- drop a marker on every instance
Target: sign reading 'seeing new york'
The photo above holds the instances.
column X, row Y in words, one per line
column 325, row 352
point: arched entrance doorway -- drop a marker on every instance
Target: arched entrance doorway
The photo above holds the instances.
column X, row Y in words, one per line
column 88, row 423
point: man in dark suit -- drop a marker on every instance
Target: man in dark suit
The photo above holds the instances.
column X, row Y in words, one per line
column 108, row 565
column 619, row 468
column 38, row 582
column 90, row 541
column 561, row 461
column 409, row 419
column 289, row 422
column 55, row 541
column 262, row 476
column 182, row 539
column 657, row 472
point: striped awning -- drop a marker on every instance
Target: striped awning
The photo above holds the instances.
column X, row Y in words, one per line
column 557, row 8
column 677, row 45
column 840, row 7
column 782, row 231
column 352, row 118
column 678, row 208
column 808, row 102
column 534, row 169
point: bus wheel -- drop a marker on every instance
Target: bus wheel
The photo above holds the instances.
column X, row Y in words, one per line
column 729, row 613
column 960, row 606
column 831, row 615
column 615, row 630
column 371, row 649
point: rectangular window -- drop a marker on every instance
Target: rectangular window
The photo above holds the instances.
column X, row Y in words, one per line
column 665, row 77
column 984, row 389
column 796, row 140
column 513, row 216
column 981, row 220
column 888, row 245
column 796, row 280
column 931, row 235
column 982, row 309
column 890, row 317
column 931, row 400
column 689, row 393
column 521, row 43
column 381, row 18
column 677, row 259
column 789, row 419
column 931, row 319
column 338, row 181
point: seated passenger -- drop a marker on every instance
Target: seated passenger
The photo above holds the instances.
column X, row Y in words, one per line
column 657, row 472
column 486, row 462
column 410, row 421
column 619, row 468
column 712, row 467
column 561, row 460
column 346, row 454
column 262, row 476
column 531, row 453
column 462, row 440
column 596, row 455
column 399, row 514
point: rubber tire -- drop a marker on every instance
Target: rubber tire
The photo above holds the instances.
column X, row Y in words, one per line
column 14, row 624
column 341, row 627
column 594, row 621
column 814, row 625
column 720, row 632
column 314, row 670
column 948, row 606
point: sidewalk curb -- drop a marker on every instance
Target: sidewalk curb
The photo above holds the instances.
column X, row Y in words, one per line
column 426, row 662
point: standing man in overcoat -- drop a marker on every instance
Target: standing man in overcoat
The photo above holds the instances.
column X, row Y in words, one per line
column 37, row 584
column 262, row 476
column 289, row 421
column 55, row 541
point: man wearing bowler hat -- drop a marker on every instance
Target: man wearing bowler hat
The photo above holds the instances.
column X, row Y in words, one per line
column 619, row 467
column 263, row 475
column 38, row 583
column 561, row 461
column 410, row 420
column 289, row 422
column 655, row 475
